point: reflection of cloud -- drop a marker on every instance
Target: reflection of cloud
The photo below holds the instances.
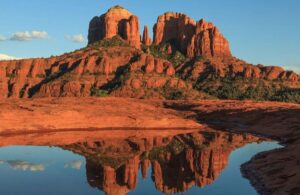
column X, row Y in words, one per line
column 24, row 166
column 28, row 36
column 76, row 38
column 2, row 38
column 75, row 164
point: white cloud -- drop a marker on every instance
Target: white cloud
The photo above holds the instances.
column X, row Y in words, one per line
column 295, row 68
column 2, row 38
column 7, row 57
column 76, row 164
column 24, row 166
column 28, row 36
column 75, row 38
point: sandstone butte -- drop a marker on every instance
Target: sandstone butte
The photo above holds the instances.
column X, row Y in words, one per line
column 117, row 21
column 115, row 62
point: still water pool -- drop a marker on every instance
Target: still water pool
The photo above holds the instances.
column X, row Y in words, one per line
column 193, row 163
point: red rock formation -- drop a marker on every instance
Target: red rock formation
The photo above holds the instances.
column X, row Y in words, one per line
column 208, row 41
column 146, row 38
column 191, row 38
column 78, row 73
column 117, row 21
column 176, row 28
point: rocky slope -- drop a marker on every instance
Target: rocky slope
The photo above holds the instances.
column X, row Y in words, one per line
column 42, row 115
column 187, row 60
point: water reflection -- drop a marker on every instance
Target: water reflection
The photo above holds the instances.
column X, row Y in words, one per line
column 178, row 162
column 23, row 165
column 118, row 162
column 75, row 164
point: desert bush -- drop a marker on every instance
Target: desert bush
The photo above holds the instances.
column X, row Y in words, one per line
column 115, row 41
column 99, row 92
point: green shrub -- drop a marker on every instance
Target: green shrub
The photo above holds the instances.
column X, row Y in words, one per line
column 41, row 75
column 115, row 41
column 99, row 92
column 160, row 51
column 12, row 75
column 173, row 93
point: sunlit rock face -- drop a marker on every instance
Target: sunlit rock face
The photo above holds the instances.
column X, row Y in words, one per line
column 191, row 38
column 116, row 21
column 146, row 40
column 178, row 162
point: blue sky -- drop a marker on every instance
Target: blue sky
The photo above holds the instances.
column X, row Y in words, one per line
column 259, row 31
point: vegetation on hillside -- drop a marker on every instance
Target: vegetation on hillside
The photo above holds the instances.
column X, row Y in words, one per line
column 115, row 41
column 160, row 51
column 254, row 89
column 206, row 87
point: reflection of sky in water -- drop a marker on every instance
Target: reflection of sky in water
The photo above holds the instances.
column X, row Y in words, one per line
column 51, row 170
column 61, row 173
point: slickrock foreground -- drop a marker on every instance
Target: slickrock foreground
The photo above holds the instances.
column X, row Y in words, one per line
column 24, row 116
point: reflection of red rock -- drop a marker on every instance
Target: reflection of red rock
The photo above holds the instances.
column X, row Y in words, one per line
column 144, row 167
column 189, row 169
column 201, row 159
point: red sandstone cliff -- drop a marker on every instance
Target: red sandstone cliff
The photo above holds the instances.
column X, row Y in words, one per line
column 176, row 28
column 192, row 38
column 116, row 21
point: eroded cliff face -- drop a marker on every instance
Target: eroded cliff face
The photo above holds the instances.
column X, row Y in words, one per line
column 191, row 38
column 176, row 28
column 208, row 41
column 123, row 72
column 63, row 76
column 233, row 68
column 178, row 162
column 116, row 21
